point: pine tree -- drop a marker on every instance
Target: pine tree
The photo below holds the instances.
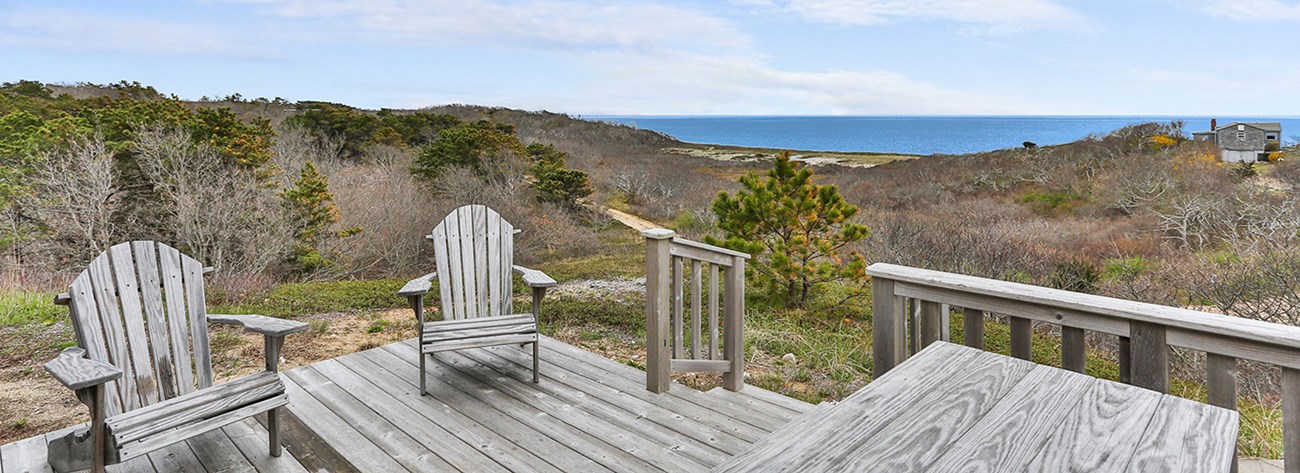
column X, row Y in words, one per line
column 312, row 208
column 798, row 232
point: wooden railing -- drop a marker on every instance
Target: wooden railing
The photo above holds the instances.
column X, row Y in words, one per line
column 1145, row 331
column 675, row 284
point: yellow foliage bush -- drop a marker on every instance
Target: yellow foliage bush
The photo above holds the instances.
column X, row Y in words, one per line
column 1274, row 156
column 1160, row 142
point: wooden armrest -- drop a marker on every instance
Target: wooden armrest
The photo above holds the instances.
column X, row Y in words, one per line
column 534, row 278
column 418, row 286
column 260, row 324
column 63, row 298
column 75, row 371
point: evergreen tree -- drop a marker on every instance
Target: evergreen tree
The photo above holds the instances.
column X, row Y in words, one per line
column 314, row 214
column 798, row 232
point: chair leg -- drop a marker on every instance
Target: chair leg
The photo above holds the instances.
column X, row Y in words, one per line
column 536, row 349
column 423, row 390
column 273, row 430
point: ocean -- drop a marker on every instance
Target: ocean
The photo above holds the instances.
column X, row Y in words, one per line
column 908, row 134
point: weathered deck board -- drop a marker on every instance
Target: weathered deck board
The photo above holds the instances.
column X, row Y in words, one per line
column 238, row 447
column 482, row 413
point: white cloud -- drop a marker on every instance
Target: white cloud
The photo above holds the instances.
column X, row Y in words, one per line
column 542, row 24
column 1253, row 10
column 1000, row 16
column 80, row 31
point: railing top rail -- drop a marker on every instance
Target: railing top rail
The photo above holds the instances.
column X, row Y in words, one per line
column 663, row 233
column 1223, row 325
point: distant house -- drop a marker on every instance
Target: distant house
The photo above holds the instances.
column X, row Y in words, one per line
column 1242, row 142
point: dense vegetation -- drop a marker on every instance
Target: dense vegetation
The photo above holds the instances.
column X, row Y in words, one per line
column 275, row 193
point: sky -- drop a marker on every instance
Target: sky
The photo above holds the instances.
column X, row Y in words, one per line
column 664, row 57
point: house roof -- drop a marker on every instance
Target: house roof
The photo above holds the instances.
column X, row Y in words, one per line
column 1270, row 126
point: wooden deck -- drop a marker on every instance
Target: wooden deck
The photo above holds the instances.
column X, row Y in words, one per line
column 363, row 412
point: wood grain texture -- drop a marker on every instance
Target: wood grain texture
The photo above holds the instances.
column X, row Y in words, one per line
column 1012, row 433
column 1022, row 338
column 1291, row 419
column 1150, row 356
column 929, row 327
column 973, row 328
column 75, row 371
column 196, row 305
column 178, row 322
column 658, row 310
column 146, row 263
column 1100, row 433
column 1074, row 355
column 1176, row 439
column 260, row 323
column 128, row 293
column 889, row 327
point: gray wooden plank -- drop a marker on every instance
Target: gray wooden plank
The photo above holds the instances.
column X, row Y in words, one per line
column 872, row 408
column 697, row 333
column 196, row 305
column 1182, row 436
column 128, row 293
column 480, row 240
column 251, row 440
column 778, row 399
column 704, row 444
column 507, row 267
column 450, row 448
column 146, row 263
column 105, row 290
column 455, row 266
column 759, row 407
column 90, row 333
column 178, row 322
column 441, row 259
column 27, row 455
column 947, row 410
column 397, row 444
column 495, row 276
column 591, row 446
column 608, row 427
column 973, row 328
column 342, row 435
column 180, row 411
column 619, row 372
column 218, row 454
column 1097, row 434
column 466, row 240
column 678, row 289
column 461, row 415
column 1013, row 432
column 627, row 382
column 176, row 457
column 150, row 443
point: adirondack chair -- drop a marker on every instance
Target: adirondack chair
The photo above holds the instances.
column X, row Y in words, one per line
column 143, row 365
column 473, row 251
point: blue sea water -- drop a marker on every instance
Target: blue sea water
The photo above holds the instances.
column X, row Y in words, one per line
column 908, row 134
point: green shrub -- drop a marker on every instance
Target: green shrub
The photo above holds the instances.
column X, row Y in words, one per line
column 23, row 307
column 1124, row 268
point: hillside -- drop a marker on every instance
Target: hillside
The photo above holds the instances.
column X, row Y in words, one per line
column 318, row 210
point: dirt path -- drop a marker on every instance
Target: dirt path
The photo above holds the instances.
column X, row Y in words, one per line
column 632, row 221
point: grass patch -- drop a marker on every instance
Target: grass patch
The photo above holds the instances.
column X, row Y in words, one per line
column 23, row 307
column 297, row 299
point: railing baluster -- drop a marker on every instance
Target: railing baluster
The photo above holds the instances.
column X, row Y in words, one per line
column 734, row 329
column 1073, row 355
column 696, row 333
column 678, row 313
column 1291, row 420
column 713, row 311
column 657, row 291
column 1022, row 338
column 1150, row 356
column 1125, row 360
column 973, row 328
column 929, row 325
column 889, row 327
column 1221, row 384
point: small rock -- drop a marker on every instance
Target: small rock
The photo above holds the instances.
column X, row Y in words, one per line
column 789, row 358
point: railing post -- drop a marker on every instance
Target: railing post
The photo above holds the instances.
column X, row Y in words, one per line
column 929, row 326
column 1291, row 420
column 973, row 327
column 1022, row 338
column 889, row 327
column 657, row 280
column 1150, row 356
column 733, row 321
column 1221, row 384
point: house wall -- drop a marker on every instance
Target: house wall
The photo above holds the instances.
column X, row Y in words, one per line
column 1238, row 156
column 1253, row 141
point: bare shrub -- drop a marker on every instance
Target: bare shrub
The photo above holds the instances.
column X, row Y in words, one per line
column 395, row 211
column 219, row 215
column 76, row 198
column 295, row 146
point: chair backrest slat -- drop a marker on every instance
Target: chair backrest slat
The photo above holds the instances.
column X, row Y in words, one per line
column 90, row 332
column 137, row 342
column 473, row 250
column 146, row 265
column 101, row 279
column 178, row 322
column 140, row 306
column 194, row 301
